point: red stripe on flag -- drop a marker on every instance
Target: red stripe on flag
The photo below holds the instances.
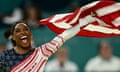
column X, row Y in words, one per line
column 99, row 5
column 95, row 34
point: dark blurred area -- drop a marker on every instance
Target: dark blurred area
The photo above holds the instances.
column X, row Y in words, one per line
column 81, row 49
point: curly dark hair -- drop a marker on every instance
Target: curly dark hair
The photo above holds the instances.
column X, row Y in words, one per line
column 9, row 32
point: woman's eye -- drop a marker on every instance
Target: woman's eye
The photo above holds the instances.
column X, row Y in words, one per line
column 26, row 29
column 17, row 30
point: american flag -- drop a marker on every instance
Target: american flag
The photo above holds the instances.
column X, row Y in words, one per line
column 97, row 19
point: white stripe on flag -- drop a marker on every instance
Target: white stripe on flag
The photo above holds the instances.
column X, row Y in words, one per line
column 82, row 21
column 75, row 18
column 59, row 16
column 101, row 29
column 90, row 5
column 86, row 20
column 108, row 9
column 62, row 25
column 116, row 22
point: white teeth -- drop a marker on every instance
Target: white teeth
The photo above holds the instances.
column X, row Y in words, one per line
column 23, row 37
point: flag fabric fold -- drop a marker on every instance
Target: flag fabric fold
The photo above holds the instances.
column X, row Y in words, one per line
column 97, row 19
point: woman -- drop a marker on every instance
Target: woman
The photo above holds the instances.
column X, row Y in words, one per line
column 23, row 58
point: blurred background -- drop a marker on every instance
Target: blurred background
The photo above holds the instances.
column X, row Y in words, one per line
column 81, row 49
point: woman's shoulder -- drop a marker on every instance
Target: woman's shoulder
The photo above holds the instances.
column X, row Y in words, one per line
column 3, row 60
column 5, row 53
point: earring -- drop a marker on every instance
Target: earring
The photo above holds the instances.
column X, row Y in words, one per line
column 10, row 37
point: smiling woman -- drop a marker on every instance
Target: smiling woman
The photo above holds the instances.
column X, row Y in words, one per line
column 21, row 36
column 23, row 58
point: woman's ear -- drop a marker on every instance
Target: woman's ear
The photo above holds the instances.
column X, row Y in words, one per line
column 12, row 37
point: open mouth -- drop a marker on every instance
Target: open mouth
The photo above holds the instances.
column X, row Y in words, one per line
column 24, row 39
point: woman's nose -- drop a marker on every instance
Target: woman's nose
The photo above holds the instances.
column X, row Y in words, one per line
column 22, row 32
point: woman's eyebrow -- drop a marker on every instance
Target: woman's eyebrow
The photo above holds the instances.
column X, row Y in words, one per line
column 17, row 29
column 26, row 27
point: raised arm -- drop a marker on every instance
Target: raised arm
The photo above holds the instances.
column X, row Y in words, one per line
column 51, row 47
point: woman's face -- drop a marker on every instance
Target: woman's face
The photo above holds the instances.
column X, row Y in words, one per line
column 22, row 35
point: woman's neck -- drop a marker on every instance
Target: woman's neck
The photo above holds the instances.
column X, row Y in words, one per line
column 20, row 50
